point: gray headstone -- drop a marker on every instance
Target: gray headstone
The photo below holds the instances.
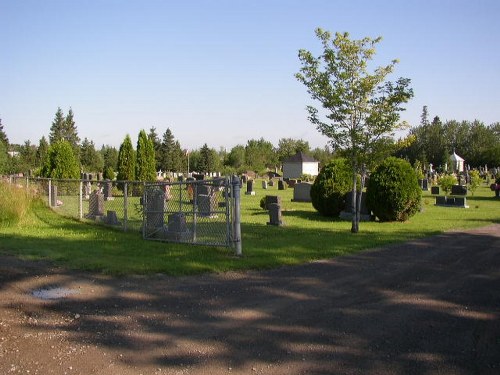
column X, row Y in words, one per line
column 96, row 205
column 155, row 208
column 270, row 199
column 207, row 205
column 108, row 190
column 264, row 184
column 250, row 188
column 274, row 214
column 111, row 218
column 177, row 222
column 271, row 183
column 435, row 190
column 281, row 185
column 302, row 192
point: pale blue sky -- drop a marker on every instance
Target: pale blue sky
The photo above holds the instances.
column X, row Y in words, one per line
column 222, row 72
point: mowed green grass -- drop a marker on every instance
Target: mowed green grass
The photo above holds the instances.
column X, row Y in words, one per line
column 305, row 236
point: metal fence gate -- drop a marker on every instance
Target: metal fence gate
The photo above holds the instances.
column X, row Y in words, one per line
column 202, row 212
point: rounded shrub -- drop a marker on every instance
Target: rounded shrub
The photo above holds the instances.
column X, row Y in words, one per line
column 330, row 187
column 393, row 192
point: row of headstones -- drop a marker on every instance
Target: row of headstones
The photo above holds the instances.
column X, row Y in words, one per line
column 301, row 190
column 457, row 199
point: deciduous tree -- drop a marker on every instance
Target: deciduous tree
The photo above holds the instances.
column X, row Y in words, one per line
column 358, row 107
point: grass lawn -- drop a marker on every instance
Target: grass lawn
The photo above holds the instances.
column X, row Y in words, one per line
column 306, row 236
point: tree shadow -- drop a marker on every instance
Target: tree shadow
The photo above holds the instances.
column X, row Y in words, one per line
column 425, row 306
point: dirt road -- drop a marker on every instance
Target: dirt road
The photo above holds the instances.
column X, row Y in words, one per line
column 429, row 306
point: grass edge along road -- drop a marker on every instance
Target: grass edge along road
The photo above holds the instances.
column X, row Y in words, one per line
column 306, row 236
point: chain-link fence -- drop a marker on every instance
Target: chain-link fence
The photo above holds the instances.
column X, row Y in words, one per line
column 198, row 212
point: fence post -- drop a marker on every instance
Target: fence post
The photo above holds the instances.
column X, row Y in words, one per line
column 50, row 192
column 237, row 215
column 125, row 205
column 80, row 201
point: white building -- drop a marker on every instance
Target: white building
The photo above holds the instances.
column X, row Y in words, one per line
column 300, row 164
column 457, row 163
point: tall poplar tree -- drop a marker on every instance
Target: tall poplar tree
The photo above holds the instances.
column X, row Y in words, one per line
column 359, row 107
column 145, row 163
column 126, row 161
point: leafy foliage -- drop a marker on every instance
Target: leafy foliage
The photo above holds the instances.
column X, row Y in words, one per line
column 361, row 107
column 446, row 182
column 145, row 161
column 393, row 193
column 126, row 160
column 61, row 162
column 330, row 187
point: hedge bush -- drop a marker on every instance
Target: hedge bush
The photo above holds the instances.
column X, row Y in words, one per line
column 393, row 192
column 330, row 187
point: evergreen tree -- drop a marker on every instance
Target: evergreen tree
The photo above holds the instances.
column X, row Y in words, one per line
column 109, row 155
column 171, row 158
column 145, row 162
column 90, row 159
column 41, row 152
column 57, row 128
column 64, row 128
column 61, row 162
column 3, row 136
column 424, row 117
column 178, row 157
column 209, row 160
column 153, row 136
column 126, row 161
column 71, row 133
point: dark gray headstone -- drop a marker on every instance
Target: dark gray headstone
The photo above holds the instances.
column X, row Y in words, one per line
column 111, row 218
column 458, row 190
column 440, row 200
column 348, row 204
column 250, row 188
column 281, row 185
column 270, row 199
column 435, row 190
column 274, row 214
column 177, row 222
column 425, row 184
column 207, row 205
column 108, row 190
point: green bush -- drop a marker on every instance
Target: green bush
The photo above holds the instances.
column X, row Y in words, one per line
column 446, row 182
column 330, row 187
column 393, row 193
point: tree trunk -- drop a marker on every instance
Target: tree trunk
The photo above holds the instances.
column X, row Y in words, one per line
column 354, row 206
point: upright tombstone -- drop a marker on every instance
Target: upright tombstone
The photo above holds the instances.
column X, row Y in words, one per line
column 177, row 229
column 270, row 199
column 275, row 214
column 250, row 188
column 302, row 192
column 365, row 213
column 96, row 205
column 154, row 211
column 425, row 185
column 435, row 190
column 271, row 183
column 458, row 190
column 108, row 190
column 264, row 184
column 205, row 206
column 281, row 185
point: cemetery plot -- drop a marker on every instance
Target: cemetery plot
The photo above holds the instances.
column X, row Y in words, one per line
column 196, row 212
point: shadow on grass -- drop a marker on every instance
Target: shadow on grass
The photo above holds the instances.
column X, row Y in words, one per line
column 427, row 306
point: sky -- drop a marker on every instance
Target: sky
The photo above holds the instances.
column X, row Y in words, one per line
column 221, row 72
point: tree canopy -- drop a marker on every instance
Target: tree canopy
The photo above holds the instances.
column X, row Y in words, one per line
column 358, row 107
